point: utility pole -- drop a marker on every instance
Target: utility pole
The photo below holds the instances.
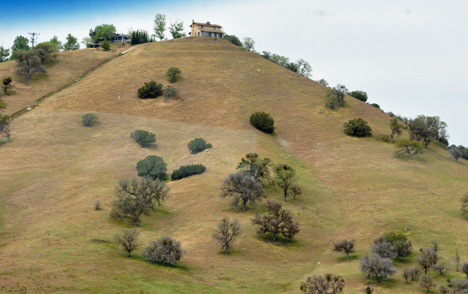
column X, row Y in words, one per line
column 33, row 37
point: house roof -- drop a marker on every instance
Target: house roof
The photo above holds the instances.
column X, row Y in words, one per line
column 204, row 24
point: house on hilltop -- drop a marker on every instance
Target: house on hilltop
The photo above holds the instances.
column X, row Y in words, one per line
column 206, row 29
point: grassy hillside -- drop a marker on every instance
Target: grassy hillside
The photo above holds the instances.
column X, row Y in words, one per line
column 68, row 67
column 55, row 169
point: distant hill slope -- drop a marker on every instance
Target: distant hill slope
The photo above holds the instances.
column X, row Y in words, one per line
column 55, row 169
column 69, row 66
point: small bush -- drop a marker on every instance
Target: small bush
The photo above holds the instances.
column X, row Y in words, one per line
column 198, row 145
column 383, row 138
column 375, row 105
column 143, row 138
column 97, row 205
column 105, row 45
column 6, row 85
column 152, row 167
column 358, row 128
column 2, row 105
column 187, row 171
column 173, row 74
column 263, row 121
column 89, row 119
column 150, row 90
column 171, row 93
column 361, row 95
column 162, row 251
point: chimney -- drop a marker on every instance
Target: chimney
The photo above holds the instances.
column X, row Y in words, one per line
column 208, row 23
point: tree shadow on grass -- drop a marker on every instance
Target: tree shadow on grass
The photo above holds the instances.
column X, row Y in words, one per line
column 280, row 241
column 351, row 257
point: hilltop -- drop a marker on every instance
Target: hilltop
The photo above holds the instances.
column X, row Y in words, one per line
column 55, row 169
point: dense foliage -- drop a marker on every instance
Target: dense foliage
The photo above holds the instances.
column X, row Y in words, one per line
column 139, row 37
column 187, row 171
column 150, row 90
column 163, row 251
column 143, row 138
column 173, row 74
column 263, row 121
column 358, row 128
column 152, row 167
column 361, row 95
column 198, row 145
column 233, row 39
column 89, row 119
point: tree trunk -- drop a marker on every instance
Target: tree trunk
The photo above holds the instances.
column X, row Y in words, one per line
column 129, row 252
column 409, row 156
column 285, row 193
column 274, row 237
column 347, row 255
column 226, row 251
column 245, row 206
column 392, row 138
column 425, row 271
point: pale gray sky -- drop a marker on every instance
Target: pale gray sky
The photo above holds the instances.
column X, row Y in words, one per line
column 409, row 56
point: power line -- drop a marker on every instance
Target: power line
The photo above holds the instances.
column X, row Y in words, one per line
column 33, row 37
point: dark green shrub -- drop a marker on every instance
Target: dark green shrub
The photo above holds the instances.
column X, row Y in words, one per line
column 375, row 105
column 89, row 119
column 143, row 138
column 173, row 74
column 233, row 39
column 263, row 121
column 152, row 167
column 6, row 85
column 171, row 93
column 163, row 251
column 150, row 90
column 187, row 171
column 335, row 96
column 361, row 95
column 105, row 45
column 383, row 138
column 198, row 145
column 358, row 128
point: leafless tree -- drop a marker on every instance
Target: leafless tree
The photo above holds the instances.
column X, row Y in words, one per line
column 285, row 177
column 464, row 268
column 458, row 285
column 464, row 208
column 138, row 197
column 443, row 290
column 402, row 249
column 383, row 248
column 128, row 240
column 243, row 189
column 249, row 44
column 373, row 265
column 427, row 259
column 457, row 260
column 406, row 274
column 227, row 233
column 435, row 246
column 163, row 250
column 326, row 284
column 455, row 152
column 427, row 282
column 441, row 268
column 415, row 273
column 346, row 246
column 276, row 221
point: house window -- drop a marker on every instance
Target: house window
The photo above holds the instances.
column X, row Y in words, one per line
column 215, row 28
column 202, row 27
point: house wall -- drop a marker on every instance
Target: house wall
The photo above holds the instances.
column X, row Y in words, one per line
column 197, row 31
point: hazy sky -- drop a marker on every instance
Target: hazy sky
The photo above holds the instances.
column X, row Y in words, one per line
column 409, row 56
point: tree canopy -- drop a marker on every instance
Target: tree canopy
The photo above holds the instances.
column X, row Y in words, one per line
column 71, row 44
column 159, row 26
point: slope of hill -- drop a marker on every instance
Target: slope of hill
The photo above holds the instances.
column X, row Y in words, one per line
column 68, row 67
column 55, row 169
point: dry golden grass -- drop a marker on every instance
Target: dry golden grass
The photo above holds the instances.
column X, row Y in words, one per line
column 55, row 169
column 68, row 67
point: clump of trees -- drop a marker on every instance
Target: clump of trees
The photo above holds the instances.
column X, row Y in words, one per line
column 165, row 250
column 173, row 74
column 410, row 147
column 425, row 129
column 263, row 122
column 346, row 246
column 89, row 119
column 198, row 145
column 358, row 128
column 335, row 96
column 254, row 166
column 152, row 167
column 139, row 37
column 360, row 95
column 277, row 221
column 143, row 138
column 28, row 63
column 128, row 240
column 187, row 171
column 227, row 233
column 243, row 189
column 233, row 39
column 301, row 67
column 138, row 197
column 150, row 90
column 326, row 284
